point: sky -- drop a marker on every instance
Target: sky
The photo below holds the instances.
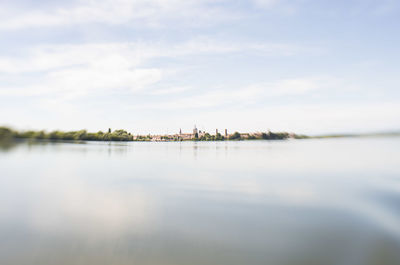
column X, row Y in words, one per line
column 154, row 66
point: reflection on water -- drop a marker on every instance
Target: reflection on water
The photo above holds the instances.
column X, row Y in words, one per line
column 293, row 202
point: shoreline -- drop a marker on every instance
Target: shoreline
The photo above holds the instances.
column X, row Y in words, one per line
column 124, row 136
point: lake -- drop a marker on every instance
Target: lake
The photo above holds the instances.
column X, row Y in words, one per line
column 322, row 201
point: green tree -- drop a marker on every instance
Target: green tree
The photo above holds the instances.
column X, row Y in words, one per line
column 6, row 133
column 235, row 136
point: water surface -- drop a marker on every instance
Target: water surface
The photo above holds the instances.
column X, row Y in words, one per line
column 332, row 201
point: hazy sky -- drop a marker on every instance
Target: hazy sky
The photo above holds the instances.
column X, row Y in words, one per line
column 308, row 66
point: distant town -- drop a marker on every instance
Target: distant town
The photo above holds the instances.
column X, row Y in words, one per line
column 202, row 135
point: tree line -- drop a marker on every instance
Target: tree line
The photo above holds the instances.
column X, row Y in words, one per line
column 81, row 135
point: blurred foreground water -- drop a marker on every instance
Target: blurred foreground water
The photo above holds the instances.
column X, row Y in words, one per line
column 328, row 201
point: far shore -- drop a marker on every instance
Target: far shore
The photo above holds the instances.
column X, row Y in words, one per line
column 122, row 135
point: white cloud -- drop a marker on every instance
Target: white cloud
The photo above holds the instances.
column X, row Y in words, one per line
column 51, row 57
column 76, row 70
column 83, row 80
column 72, row 83
column 170, row 90
column 147, row 12
column 128, row 54
column 204, row 100
column 206, row 45
column 247, row 95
